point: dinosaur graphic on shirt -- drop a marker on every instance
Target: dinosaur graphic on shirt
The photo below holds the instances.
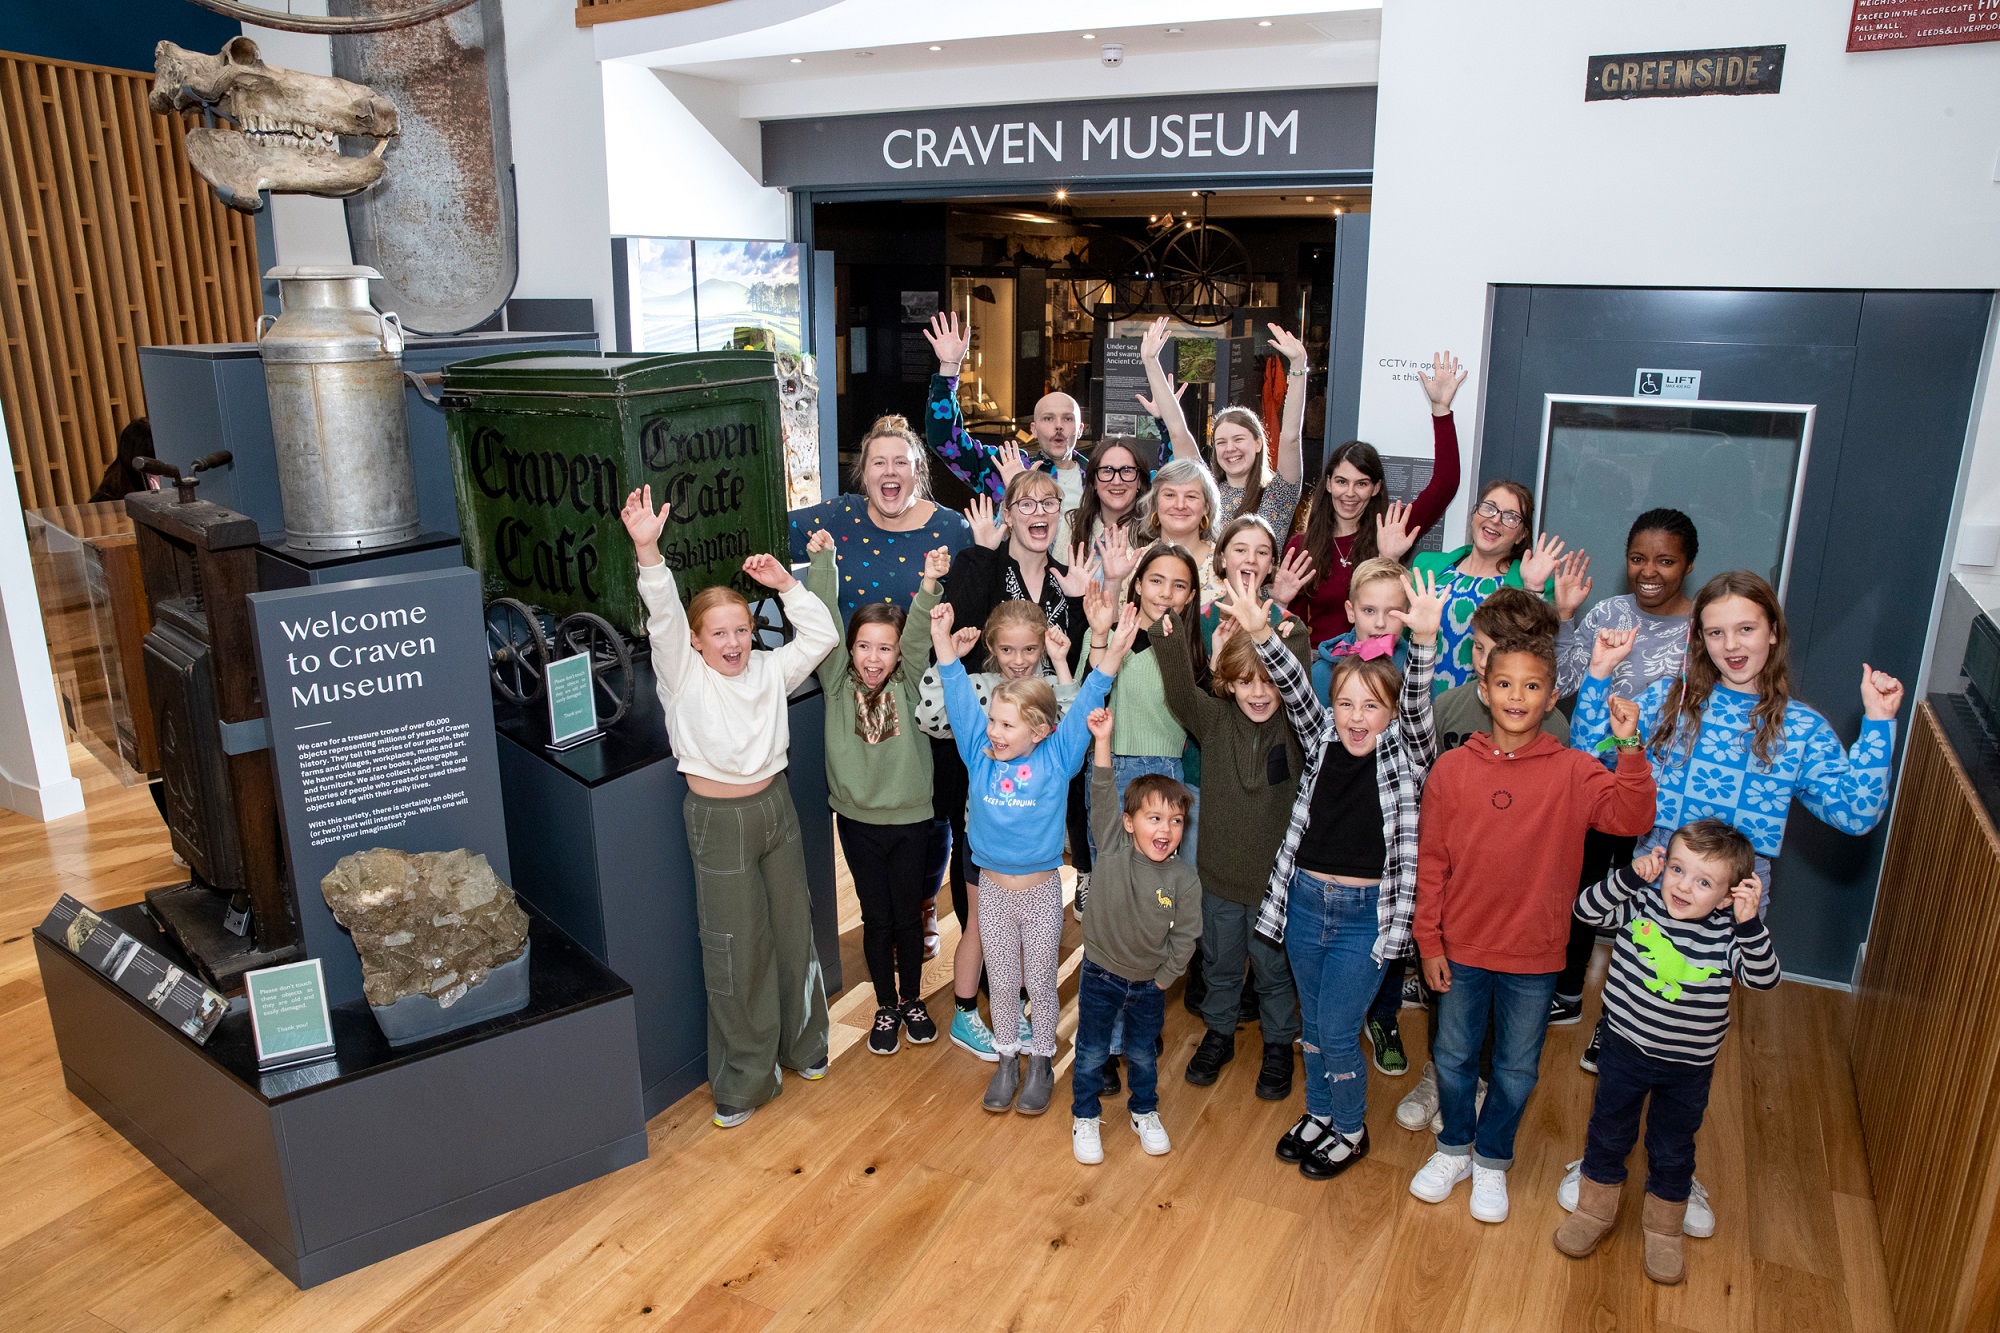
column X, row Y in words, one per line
column 1670, row 968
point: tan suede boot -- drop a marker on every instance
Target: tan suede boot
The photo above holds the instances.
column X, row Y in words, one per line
column 1662, row 1223
column 1596, row 1213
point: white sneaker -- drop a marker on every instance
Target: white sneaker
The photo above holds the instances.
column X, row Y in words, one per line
column 1489, row 1193
column 1086, row 1141
column 1437, row 1116
column 1152, row 1134
column 1434, row 1180
column 1420, row 1108
column 1700, row 1219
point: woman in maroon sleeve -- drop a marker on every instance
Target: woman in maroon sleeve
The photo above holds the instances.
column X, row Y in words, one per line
column 1353, row 518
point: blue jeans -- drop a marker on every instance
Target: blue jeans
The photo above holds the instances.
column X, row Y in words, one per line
column 1626, row 1078
column 1125, row 767
column 1330, row 932
column 1105, row 1000
column 1518, row 1006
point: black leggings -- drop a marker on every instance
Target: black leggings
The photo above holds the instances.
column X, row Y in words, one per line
column 887, row 862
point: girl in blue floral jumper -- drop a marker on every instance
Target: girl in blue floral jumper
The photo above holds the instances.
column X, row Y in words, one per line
column 1729, row 742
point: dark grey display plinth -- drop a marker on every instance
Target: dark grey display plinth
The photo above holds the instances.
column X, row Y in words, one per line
column 597, row 841
column 329, row 1167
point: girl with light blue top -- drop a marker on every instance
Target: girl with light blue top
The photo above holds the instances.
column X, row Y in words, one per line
column 1729, row 742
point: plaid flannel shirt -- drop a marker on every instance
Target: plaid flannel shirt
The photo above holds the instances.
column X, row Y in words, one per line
column 1404, row 756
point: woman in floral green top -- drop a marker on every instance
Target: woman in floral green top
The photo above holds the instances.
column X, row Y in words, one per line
column 1504, row 552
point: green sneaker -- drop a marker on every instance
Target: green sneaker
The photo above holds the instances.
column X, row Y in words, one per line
column 1387, row 1042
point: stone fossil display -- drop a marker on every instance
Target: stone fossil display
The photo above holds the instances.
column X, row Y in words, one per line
column 424, row 923
column 287, row 125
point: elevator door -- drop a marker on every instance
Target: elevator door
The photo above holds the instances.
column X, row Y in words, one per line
column 1892, row 376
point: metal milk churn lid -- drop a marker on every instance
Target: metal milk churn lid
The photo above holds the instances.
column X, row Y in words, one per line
column 333, row 369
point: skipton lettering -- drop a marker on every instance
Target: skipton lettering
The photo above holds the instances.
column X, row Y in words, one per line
column 678, row 453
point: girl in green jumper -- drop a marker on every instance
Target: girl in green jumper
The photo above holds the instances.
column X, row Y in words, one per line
column 878, row 779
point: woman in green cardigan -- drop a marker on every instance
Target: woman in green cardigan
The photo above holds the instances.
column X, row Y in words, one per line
column 1504, row 553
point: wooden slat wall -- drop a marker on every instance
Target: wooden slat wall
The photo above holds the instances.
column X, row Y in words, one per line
column 1927, row 1045
column 108, row 242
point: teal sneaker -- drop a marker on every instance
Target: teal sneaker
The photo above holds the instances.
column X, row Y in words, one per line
column 1027, row 1028
column 970, row 1033
column 1387, row 1042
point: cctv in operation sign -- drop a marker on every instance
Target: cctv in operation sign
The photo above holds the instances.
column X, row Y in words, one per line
column 1322, row 131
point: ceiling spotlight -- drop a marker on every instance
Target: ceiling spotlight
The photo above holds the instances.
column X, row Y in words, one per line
column 1309, row 198
column 1175, row 32
column 1263, row 23
column 937, row 48
column 798, row 60
column 1062, row 194
column 864, row 54
column 1338, row 209
column 1090, row 37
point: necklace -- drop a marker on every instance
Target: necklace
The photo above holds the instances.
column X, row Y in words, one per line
column 1346, row 561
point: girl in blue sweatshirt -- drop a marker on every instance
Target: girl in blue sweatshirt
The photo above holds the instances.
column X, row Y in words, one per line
column 1021, row 754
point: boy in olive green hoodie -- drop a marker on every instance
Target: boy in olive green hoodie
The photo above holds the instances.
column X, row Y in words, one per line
column 878, row 780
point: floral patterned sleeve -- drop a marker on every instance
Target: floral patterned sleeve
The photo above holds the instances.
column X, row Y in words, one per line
column 1847, row 789
column 971, row 461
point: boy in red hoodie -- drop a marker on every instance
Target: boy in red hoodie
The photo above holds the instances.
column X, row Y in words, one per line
column 1499, row 848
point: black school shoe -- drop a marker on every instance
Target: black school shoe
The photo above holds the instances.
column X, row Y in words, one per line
column 917, row 1024
column 882, row 1037
column 1296, row 1144
column 1112, row 1086
column 1216, row 1050
column 1274, row 1080
column 1333, row 1155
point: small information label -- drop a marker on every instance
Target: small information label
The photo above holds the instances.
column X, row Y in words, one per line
column 572, row 701
column 288, row 1014
column 1666, row 384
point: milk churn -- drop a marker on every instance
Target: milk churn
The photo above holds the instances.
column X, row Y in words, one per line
column 333, row 368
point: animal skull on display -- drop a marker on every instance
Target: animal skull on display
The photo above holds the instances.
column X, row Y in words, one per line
column 288, row 125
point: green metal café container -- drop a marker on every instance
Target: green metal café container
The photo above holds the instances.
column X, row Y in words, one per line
column 545, row 446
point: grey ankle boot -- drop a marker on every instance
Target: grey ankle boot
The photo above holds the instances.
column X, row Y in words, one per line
column 1006, row 1080
column 1035, row 1090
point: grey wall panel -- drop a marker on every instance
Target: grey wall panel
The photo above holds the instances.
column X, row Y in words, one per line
column 1679, row 315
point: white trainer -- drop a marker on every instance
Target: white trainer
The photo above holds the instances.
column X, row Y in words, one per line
column 1152, row 1134
column 1086, row 1141
column 1489, row 1193
column 1700, row 1219
column 1421, row 1106
column 1437, row 1116
column 1434, row 1180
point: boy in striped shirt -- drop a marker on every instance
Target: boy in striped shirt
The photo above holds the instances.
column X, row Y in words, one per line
column 1687, row 926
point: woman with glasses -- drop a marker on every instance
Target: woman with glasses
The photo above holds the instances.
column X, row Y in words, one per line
column 1351, row 519
column 1119, row 472
column 1503, row 553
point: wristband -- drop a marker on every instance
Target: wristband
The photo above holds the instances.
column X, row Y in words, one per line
column 1618, row 743
column 1095, row 644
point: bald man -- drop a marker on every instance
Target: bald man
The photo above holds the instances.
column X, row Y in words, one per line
column 1057, row 423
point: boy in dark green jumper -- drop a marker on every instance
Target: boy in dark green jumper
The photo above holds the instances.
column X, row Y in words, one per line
column 1141, row 929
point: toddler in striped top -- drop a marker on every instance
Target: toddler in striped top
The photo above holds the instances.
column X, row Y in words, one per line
column 1687, row 923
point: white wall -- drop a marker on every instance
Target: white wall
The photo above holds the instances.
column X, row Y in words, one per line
column 670, row 174
column 1870, row 170
column 35, row 778
column 557, row 127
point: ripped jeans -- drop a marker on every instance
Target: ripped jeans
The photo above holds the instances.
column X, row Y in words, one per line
column 1330, row 932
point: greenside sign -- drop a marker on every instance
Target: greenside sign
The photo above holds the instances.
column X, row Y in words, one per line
column 288, row 1014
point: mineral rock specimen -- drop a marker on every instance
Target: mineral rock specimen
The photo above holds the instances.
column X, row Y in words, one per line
column 425, row 923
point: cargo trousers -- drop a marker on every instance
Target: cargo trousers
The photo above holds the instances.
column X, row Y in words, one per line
column 766, row 995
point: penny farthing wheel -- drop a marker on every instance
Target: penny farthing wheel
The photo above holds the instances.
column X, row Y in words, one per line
column 517, row 650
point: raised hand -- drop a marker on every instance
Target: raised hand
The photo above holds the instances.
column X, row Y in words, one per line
column 1649, row 866
column 1289, row 346
column 1152, row 410
column 1122, row 639
column 1292, row 576
column 1393, row 538
column 1223, row 629
column 947, row 341
column 1153, row 340
column 1624, row 718
column 1057, row 643
column 942, row 641
column 964, row 637
column 1078, row 575
column 1099, row 723
column 1881, row 694
column 1744, row 897
column 1118, row 557
column 1441, row 384
column 643, row 525
column 1611, row 647
column 1099, row 608
column 1426, row 611
column 1538, row 564
column 985, row 523
column 1009, row 462
column 937, row 564
column 1572, row 583
column 770, row 571
column 820, row 540
column 1250, row 613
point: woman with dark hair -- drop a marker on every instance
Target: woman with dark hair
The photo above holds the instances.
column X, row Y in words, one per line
column 1659, row 552
column 883, row 533
column 1503, row 553
column 1118, row 475
column 1352, row 519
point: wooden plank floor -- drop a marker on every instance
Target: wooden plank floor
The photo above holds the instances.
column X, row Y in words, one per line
column 885, row 1198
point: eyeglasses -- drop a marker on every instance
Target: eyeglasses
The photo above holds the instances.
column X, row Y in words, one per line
column 1125, row 473
column 1048, row 504
column 1506, row 518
